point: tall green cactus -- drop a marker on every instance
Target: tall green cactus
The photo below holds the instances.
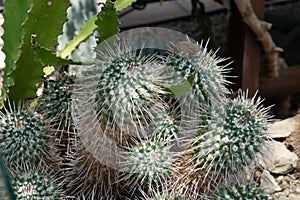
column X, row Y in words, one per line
column 79, row 12
column 27, row 72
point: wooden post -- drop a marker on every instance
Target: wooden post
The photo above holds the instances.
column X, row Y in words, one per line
column 245, row 50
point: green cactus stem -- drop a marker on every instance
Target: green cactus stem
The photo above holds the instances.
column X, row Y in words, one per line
column 201, row 68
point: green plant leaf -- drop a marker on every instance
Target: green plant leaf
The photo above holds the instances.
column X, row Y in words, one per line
column 180, row 89
column 84, row 33
column 121, row 4
column 15, row 13
column 47, row 57
column 45, row 22
column 107, row 22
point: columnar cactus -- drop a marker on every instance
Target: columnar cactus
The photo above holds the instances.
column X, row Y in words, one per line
column 79, row 12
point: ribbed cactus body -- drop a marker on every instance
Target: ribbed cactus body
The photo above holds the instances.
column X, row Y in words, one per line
column 182, row 66
column 127, row 88
column 202, row 69
column 166, row 127
column 23, row 137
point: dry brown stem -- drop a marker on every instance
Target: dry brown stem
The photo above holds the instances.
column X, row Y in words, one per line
column 261, row 29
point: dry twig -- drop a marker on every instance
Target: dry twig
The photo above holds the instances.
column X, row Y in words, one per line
column 261, row 30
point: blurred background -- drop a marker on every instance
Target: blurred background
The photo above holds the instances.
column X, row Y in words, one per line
column 220, row 22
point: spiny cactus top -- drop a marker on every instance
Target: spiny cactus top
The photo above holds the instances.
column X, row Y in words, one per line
column 245, row 191
column 23, row 137
column 35, row 184
column 201, row 69
column 231, row 135
column 127, row 89
column 149, row 162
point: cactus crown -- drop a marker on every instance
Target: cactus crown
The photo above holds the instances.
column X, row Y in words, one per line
column 231, row 135
column 149, row 162
column 35, row 185
column 127, row 88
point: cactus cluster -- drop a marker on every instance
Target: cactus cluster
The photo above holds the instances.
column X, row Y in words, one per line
column 26, row 144
column 191, row 144
column 119, row 129
column 131, row 138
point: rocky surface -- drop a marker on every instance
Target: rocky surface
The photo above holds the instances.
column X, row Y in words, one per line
column 283, row 128
column 279, row 160
column 281, row 175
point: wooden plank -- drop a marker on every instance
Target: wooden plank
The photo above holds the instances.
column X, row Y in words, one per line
column 287, row 83
column 252, row 54
column 235, row 45
column 245, row 50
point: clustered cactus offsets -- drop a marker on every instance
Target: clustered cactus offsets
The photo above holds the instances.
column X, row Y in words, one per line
column 156, row 142
column 125, row 133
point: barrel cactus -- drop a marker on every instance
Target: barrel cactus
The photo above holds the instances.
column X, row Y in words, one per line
column 24, row 131
column 231, row 136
